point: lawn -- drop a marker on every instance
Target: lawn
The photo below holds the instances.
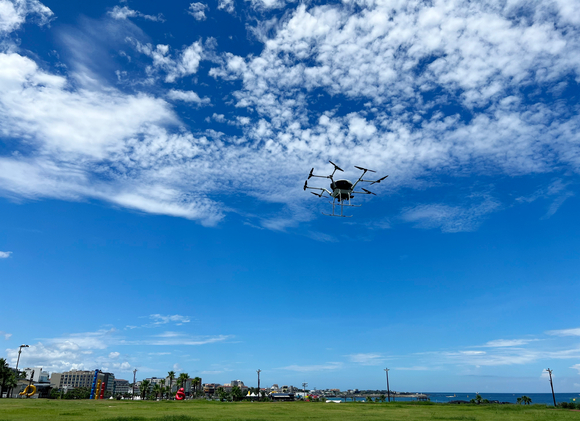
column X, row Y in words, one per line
column 85, row 410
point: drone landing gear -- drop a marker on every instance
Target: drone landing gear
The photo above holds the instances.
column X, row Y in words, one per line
column 342, row 205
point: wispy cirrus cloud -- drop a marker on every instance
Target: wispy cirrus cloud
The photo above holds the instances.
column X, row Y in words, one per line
column 124, row 12
column 367, row 358
column 6, row 335
column 450, row 218
column 5, row 254
column 313, row 368
column 508, row 342
column 565, row 332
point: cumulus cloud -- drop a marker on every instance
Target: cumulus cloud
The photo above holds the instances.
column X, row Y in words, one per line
column 226, row 5
column 124, row 12
column 197, row 10
column 411, row 89
column 187, row 96
column 5, row 254
column 158, row 319
column 186, row 63
column 13, row 13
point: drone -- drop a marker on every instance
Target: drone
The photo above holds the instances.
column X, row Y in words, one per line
column 342, row 190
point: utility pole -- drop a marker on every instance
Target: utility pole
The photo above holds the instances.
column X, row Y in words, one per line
column 258, row 371
column 388, row 390
column 304, row 386
column 134, row 376
column 552, row 385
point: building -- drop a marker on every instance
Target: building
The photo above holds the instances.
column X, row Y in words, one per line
column 122, row 387
column 78, row 378
column 38, row 376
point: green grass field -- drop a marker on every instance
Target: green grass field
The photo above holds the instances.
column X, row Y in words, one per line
column 47, row 410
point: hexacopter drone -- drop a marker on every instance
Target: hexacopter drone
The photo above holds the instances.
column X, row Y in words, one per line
column 342, row 190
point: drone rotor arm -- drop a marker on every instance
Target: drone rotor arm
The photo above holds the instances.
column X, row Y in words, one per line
column 379, row 180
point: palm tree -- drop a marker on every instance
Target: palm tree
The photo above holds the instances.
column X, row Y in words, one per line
column 162, row 385
column 183, row 377
column 145, row 384
column 157, row 389
column 197, row 382
column 519, row 401
column 526, row 400
column 171, row 376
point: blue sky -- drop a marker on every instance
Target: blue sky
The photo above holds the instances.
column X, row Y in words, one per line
column 152, row 216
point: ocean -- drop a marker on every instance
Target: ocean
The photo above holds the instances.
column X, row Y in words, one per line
column 545, row 398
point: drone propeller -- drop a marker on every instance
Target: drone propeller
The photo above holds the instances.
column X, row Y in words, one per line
column 364, row 169
column 305, row 185
column 336, row 166
column 316, row 194
column 379, row 180
column 310, row 175
column 368, row 192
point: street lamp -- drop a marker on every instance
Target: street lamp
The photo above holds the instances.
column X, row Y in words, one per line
column 388, row 390
column 18, row 360
column 258, row 371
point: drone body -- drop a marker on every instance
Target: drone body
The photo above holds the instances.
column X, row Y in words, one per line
column 342, row 190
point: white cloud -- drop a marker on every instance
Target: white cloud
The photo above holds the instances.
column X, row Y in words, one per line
column 197, row 10
column 114, row 355
column 414, row 368
column 13, row 13
column 186, row 63
column 445, row 87
column 122, row 13
column 565, row 332
column 367, row 359
column 576, row 367
column 187, row 96
column 508, row 342
column 227, row 5
column 450, row 218
column 5, row 254
column 312, row 368
column 158, row 319
column 6, row 335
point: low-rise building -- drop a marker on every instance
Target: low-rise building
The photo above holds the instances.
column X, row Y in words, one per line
column 79, row 378
column 122, row 387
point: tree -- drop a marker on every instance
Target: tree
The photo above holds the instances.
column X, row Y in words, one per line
column 369, row 399
column 157, row 390
column 78, row 393
column 197, row 382
column 171, row 375
column 526, row 400
column 223, row 395
column 183, row 377
column 519, row 401
column 162, row 386
column 237, row 394
column 478, row 398
column 144, row 388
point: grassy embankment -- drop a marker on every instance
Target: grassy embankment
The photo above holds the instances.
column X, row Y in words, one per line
column 49, row 410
